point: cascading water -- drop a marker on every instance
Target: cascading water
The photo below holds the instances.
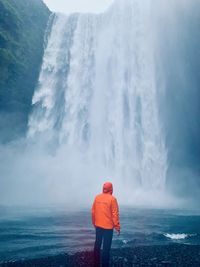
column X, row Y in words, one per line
column 98, row 94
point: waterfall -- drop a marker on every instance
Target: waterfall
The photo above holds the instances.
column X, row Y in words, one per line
column 98, row 93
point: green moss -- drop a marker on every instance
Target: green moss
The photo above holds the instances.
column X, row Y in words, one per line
column 22, row 28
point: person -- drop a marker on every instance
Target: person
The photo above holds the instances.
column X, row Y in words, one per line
column 105, row 218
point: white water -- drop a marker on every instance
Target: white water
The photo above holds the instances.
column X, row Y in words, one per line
column 98, row 96
column 178, row 236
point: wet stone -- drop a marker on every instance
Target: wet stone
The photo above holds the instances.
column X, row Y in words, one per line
column 154, row 256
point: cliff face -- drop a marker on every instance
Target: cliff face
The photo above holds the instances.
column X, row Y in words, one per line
column 22, row 28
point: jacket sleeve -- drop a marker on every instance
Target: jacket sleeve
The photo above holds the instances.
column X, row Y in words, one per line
column 115, row 214
column 93, row 213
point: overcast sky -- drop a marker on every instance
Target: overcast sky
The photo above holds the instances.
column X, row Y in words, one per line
column 69, row 6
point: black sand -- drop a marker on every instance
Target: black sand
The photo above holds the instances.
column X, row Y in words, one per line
column 171, row 255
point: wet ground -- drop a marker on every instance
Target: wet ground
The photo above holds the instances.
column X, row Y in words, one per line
column 169, row 255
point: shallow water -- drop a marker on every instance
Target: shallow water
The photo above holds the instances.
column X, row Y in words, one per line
column 39, row 232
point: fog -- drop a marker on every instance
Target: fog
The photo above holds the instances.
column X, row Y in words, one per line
column 180, row 109
column 32, row 175
column 46, row 168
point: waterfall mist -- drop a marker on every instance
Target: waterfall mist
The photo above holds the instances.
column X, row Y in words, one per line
column 109, row 105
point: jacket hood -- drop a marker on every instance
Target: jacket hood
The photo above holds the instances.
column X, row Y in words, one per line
column 108, row 188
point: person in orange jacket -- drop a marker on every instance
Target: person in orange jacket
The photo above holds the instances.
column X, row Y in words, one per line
column 105, row 218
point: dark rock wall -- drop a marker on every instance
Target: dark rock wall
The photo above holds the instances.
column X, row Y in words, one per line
column 22, row 28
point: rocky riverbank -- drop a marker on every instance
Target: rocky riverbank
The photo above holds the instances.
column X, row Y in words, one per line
column 171, row 255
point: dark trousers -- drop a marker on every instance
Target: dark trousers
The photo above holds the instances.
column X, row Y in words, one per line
column 104, row 235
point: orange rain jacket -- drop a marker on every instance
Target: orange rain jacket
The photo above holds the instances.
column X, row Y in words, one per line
column 105, row 211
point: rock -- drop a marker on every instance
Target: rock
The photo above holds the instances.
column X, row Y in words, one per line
column 154, row 256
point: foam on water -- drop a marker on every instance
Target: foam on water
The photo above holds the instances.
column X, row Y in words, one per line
column 178, row 236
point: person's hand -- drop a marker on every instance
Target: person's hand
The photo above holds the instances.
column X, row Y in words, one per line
column 118, row 232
